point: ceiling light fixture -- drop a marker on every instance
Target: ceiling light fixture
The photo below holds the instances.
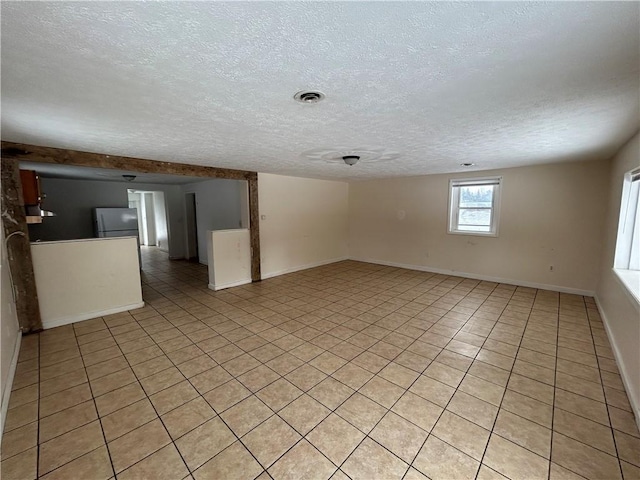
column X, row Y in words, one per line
column 467, row 164
column 309, row 96
column 129, row 177
column 351, row 160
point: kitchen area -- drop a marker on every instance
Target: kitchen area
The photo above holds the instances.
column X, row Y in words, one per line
column 86, row 225
column 101, row 272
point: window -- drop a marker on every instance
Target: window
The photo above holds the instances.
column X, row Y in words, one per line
column 474, row 206
column 627, row 257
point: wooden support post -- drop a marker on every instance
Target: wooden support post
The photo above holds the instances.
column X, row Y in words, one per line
column 254, row 227
column 16, row 234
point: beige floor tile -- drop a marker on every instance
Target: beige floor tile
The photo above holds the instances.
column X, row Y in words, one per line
column 524, row 432
column 196, row 365
column 240, row 365
column 382, row 391
column 105, row 368
column 440, row 461
column 304, row 414
column 284, row 364
column 617, row 399
column 401, row 376
column 462, row 434
column 418, row 410
column 306, row 377
column 128, row 418
column 279, row 394
column 535, row 372
column 324, row 436
column 581, row 387
column 67, row 420
column 327, row 362
column 444, row 374
column 65, row 399
column 94, row 465
column 23, row 395
column 119, row 398
column 623, row 421
column 19, row 440
column 331, row 393
column 556, row 472
column 187, row 417
column 473, row 409
column 270, row 440
column 207, row 381
column 23, row 466
column 165, row 463
column 432, row 390
column 67, row 447
column 370, row 460
column 486, row 473
column 584, row 430
column 163, row 379
column 352, row 375
column 204, row 442
column 234, row 462
column 399, row 435
column 19, row 417
column 226, row 395
column 489, row 373
column 302, row 461
column 173, row 397
column 111, row 382
column 628, row 448
column 137, row 444
column 630, row 471
column 258, row 378
column 482, row 389
column 583, row 459
column 583, row 406
column 245, row 415
column 531, row 388
column 514, row 461
column 528, row 408
column 370, row 362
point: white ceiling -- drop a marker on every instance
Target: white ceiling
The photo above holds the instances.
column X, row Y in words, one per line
column 426, row 85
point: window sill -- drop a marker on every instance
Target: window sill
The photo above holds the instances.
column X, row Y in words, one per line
column 475, row 234
column 630, row 279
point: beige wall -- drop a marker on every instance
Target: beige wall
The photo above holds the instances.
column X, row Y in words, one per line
column 81, row 279
column 9, row 332
column 229, row 258
column 305, row 222
column 620, row 311
column 550, row 215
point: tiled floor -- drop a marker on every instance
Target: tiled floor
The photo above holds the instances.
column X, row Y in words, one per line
column 350, row 370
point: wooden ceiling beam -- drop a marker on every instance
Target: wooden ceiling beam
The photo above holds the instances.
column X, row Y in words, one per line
column 61, row 156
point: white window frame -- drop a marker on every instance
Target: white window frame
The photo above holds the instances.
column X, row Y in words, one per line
column 454, row 205
column 626, row 262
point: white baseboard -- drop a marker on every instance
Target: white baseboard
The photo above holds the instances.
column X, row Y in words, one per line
column 228, row 285
column 476, row 276
column 6, row 393
column 58, row 322
column 635, row 402
column 303, row 267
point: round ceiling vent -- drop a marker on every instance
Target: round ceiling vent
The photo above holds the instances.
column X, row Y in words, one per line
column 350, row 156
column 309, row 96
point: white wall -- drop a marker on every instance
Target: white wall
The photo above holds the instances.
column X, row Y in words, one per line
column 9, row 332
column 229, row 254
column 162, row 229
column 101, row 277
column 620, row 311
column 218, row 207
column 73, row 201
column 304, row 222
column 550, row 215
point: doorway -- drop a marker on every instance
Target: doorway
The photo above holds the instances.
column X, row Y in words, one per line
column 192, row 226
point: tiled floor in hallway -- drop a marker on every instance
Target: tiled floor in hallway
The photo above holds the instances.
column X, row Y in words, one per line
column 350, row 370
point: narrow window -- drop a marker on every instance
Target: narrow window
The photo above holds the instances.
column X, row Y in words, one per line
column 474, row 206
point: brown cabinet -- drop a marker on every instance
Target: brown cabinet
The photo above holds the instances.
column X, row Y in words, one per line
column 30, row 187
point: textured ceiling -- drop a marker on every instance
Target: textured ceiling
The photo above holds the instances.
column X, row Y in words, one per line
column 433, row 84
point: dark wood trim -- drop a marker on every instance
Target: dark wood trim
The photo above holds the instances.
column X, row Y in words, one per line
column 16, row 234
column 254, row 227
column 60, row 156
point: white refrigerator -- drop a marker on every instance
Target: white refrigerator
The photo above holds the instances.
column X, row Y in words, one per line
column 115, row 222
